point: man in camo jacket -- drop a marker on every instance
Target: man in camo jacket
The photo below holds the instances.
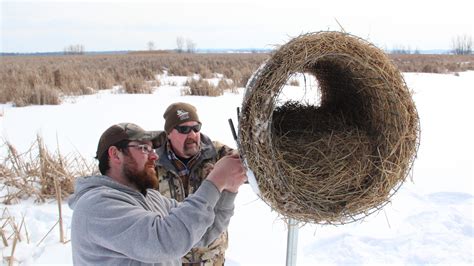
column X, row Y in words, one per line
column 186, row 157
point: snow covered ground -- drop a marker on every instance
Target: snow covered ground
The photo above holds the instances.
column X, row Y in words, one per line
column 429, row 220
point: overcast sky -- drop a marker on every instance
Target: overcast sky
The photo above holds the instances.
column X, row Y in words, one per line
column 107, row 25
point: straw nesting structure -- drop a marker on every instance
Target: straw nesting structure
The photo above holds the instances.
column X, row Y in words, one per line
column 339, row 160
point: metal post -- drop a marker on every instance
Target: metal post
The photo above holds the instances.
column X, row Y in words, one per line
column 291, row 243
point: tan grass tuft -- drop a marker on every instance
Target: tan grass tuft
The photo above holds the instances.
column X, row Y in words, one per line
column 33, row 173
column 202, row 87
column 135, row 85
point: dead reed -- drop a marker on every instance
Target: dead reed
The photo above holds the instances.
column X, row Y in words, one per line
column 29, row 80
column 433, row 63
column 33, row 173
column 26, row 80
column 135, row 85
column 338, row 161
column 201, row 87
column 11, row 233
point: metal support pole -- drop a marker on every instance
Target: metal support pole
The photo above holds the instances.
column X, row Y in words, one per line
column 291, row 243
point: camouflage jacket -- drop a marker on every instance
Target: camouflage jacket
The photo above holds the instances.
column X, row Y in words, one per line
column 171, row 186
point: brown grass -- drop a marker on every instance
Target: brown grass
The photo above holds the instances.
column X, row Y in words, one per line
column 33, row 173
column 135, row 85
column 29, row 80
column 433, row 63
column 26, row 80
column 10, row 231
column 202, row 87
column 294, row 82
column 225, row 85
column 13, row 232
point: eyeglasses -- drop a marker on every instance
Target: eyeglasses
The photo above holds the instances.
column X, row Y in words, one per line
column 187, row 129
column 146, row 149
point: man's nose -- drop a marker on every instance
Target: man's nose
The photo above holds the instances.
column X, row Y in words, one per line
column 193, row 134
column 153, row 155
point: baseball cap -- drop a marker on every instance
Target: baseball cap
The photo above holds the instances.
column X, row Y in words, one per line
column 126, row 131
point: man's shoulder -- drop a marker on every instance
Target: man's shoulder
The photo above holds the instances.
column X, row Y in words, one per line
column 218, row 147
column 96, row 198
column 221, row 149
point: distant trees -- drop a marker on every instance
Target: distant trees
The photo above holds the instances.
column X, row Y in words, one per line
column 400, row 49
column 74, row 49
column 190, row 46
column 462, row 45
column 150, row 46
column 181, row 42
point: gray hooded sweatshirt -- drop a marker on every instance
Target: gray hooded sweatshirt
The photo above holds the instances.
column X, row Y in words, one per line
column 113, row 224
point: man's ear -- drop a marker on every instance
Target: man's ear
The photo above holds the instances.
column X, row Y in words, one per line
column 114, row 154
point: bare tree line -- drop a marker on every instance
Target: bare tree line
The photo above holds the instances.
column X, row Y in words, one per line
column 462, row 45
column 181, row 42
column 74, row 49
column 182, row 45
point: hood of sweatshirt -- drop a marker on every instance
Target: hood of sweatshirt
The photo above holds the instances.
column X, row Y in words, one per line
column 88, row 183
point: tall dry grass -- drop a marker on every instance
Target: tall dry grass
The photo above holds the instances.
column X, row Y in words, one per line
column 433, row 63
column 12, row 232
column 135, row 84
column 39, row 173
column 202, row 87
column 29, row 80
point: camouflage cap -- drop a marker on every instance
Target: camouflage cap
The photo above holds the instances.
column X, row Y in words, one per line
column 178, row 113
column 126, row 131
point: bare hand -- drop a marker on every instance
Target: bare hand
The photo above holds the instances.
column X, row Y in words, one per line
column 228, row 173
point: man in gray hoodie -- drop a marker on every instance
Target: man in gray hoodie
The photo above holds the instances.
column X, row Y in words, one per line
column 119, row 219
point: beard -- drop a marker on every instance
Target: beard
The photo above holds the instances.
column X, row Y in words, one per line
column 143, row 179
column 191, row 147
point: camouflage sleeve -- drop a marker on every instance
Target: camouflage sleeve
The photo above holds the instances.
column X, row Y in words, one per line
column 222, row 150
column 160, row 140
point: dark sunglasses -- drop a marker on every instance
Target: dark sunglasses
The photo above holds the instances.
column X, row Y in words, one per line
column 187, row 129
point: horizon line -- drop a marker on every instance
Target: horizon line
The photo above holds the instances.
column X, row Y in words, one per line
column 201, row 50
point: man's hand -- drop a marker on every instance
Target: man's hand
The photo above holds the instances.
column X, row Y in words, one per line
column 228, row 173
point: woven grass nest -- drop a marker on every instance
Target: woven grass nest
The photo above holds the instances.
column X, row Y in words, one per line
column 340, row 160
